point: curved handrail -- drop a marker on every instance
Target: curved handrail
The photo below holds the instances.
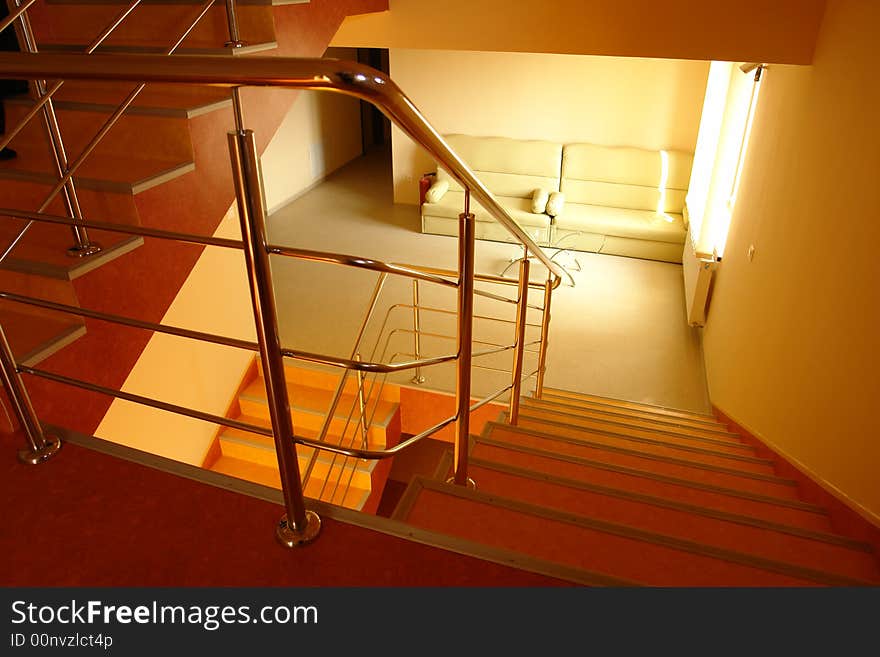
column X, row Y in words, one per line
column 335, row 75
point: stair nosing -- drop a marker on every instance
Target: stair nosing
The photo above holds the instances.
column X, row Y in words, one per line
column 363, row 465
column 655, row 538
column 676, row 481
column 688, row 448
column 697, row 415
column 383, row 423
column 78, row 267
column 133, row 187
column 53, row 345
column 643, row 498
column 571, row 410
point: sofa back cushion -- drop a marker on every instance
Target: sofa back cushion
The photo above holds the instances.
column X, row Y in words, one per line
column 622, row 177
column 508, row 167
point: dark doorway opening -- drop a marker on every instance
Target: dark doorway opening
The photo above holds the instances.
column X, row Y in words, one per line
column 375, row 126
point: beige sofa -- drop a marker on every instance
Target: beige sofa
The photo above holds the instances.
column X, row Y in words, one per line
column 615, row 200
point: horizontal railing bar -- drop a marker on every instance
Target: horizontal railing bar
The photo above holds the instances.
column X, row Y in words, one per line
column 374, row 454
column 453, row 312
column 339, row 76
column 441, row 336
column 129, row 321
column 128, row 229
column 496, row 350
column 492, row 369
column 485, row 278
column 357, row 261
column 365, row 366
column 146, row 401
column 495, row 395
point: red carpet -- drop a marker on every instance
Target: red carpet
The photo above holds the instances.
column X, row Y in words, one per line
column 87, row 519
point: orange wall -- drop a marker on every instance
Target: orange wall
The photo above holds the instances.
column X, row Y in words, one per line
column 791, row 341
column 735, row 30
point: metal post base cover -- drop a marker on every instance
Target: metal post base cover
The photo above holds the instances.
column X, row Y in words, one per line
column 41, row 454
column 83, row 251
column 235, row 44
column 418, row 380
column 291, row 538
column 471, row 484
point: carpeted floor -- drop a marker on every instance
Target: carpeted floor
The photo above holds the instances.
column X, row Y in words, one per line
column 620, row 332
column 87, row 519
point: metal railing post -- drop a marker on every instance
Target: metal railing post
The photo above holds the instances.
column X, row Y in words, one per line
column 362, row 404
column 465, row 346
column 545, row 331
column 39, row 446
column 522, row 308
column 82, row 246
column 418, row 379
column 232, row 21
column 298, row 526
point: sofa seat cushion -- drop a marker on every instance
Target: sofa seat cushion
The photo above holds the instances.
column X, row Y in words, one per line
column 621, row 222
column 520, row 209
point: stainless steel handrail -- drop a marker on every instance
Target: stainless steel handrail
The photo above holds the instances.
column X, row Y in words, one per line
column 315, row 74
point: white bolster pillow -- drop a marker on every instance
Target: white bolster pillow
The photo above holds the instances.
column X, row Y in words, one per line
column 539, row 200
column 436, row 191
column 555, row 203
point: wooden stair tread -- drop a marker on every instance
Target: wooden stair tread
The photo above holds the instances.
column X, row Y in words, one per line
column 249, row 471
column 219, row 50
column 649, row 444
column 34, row 337
column 823, row 551
column 529, row 416
column 719, row 434
column 43, row 250
column 160, row 99
column 556, row 393
column 648, row 557
column 108, row 173
column 781, row 510
column 316, row 400
column 674, row 467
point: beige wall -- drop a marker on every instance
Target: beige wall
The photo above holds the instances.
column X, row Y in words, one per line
column 650, row 103
column 321, row 132
column 791, row 342
column 734, row 30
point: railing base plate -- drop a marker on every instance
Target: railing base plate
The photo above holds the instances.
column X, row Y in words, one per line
column 470, row 485
column 44, row 453
column 290, row 538
column 84, row 251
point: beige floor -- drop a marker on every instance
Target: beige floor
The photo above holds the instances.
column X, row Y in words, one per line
column 619, row 332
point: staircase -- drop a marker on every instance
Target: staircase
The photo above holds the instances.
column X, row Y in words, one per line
column 600, row 490
column 164, row 165
column 344, row 481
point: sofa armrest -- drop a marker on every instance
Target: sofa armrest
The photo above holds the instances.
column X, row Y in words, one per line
column 425, row 183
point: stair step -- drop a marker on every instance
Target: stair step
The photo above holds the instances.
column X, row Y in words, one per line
column 172, row 101
column 107, row 173
column 571, row 397
column 153, row 26
column 353, row 498
column 144, row 137
column 822, row 551
column 613, row 548
column 218, row 50
column 718, row 433
column 773, row 509
column 649, row 443
column 310, row 406
column 585, row 423
column 261, row 450
column 34, row 337
column 328, row 379
column 673, row 467
column 43, row 250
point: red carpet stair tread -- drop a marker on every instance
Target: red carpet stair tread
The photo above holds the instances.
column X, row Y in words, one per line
column 655, row 508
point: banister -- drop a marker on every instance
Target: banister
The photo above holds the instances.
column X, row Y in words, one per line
column 299, row 73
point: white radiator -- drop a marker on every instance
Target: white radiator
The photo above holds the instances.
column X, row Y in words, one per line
column 698, row 270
